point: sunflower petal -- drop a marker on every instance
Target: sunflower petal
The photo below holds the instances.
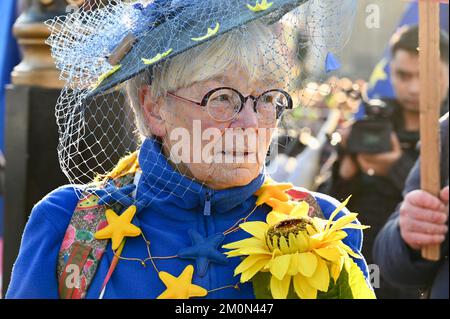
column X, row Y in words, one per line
column 275, row 254
column 254, row 251
column 336, row 211
column 321, row 277
column 275, row 242
column 244, row 243
column 355, row 226
column 292, row 243
column 302, row 242
column 331, row 253
column 284, row 245
column 257, row 229
column 336, row 268
column 332, row 237
column 307, row 264
column 311, row 230
column 344, row 220
column 349, row 251
column 269, row 244
column 303, row 289
column 249, row 262
column 293, row 266
column 233, row 253
column 300, row 210
column 250, row 272
column 280, row 288
column 280, row 266
column 271, row 218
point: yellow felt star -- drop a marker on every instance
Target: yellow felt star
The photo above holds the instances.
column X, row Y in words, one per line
column 105, row 75
column 264, row 5
column 157, row 57
column 209, row 33
column 180, row 287
column 127, row 165
column 271, row 189
column 119, row 227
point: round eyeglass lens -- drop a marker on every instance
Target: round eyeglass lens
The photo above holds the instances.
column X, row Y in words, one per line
column 223, row 105
column 270, row 105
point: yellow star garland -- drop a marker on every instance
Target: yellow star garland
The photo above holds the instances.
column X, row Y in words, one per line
column 119, row 227
column 180, row 287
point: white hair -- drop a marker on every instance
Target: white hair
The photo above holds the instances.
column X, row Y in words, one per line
column 253, row 47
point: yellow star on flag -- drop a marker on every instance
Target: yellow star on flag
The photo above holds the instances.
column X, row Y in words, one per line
column 119, row 227
column 271, row 189
column 180, row 287
column 378, row 73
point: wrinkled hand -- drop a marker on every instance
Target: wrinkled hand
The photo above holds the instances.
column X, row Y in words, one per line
column 423, row 218
column 380, row 164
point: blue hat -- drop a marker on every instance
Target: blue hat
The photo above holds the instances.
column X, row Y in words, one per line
column 148, row 34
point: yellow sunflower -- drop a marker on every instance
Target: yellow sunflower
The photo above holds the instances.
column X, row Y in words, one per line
column 294, row 247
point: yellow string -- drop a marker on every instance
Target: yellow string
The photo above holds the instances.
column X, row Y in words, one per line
column 236, row 286
column 143, row 262
column 235, row 227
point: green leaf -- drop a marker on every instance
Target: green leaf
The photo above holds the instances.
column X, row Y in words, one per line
column 339, row 289
column 261, row 285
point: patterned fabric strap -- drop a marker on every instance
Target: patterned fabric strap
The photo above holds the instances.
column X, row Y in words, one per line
column 80, row 252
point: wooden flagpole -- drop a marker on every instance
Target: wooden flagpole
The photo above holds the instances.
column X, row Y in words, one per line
column 429, row 59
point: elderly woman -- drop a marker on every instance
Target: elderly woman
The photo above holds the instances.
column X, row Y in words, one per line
column 168, row 221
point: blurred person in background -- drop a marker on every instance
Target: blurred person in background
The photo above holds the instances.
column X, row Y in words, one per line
column 377, row 153
column 419, row 221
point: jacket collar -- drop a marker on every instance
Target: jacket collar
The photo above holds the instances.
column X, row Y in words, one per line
column 161, row 182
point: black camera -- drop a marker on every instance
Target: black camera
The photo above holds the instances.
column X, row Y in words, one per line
column 372, row 134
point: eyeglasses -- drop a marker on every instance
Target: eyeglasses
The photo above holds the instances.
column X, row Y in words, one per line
column 223, row 104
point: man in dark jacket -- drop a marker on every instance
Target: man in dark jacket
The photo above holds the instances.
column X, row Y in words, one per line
column 420, row 220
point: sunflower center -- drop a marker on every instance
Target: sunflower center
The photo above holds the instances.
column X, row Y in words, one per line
column 289, row 226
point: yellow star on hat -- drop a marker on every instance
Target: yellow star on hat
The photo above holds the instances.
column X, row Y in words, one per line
column 180, row 287
column 270, row 189
column 119, row 227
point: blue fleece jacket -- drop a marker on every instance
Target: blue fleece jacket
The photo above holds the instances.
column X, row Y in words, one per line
column 177, row 209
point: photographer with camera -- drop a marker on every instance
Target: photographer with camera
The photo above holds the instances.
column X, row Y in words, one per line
column 378, row 151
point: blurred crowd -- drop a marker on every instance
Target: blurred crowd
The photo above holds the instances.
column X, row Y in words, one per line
column 339, row 141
